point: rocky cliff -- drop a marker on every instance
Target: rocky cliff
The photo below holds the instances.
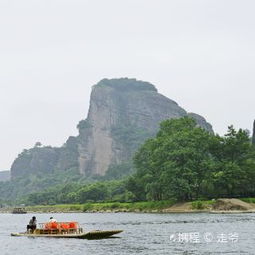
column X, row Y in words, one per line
column 35, row 161
column 123, row 113
column 46, row 160
column 253, row 133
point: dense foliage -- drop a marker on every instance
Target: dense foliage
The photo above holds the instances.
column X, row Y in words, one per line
column 186, row 162
column 80, row 193
column 119, row 171
column 130, row 137
column 14, row 190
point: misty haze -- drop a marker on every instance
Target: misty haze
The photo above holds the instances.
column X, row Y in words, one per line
column 139, row 110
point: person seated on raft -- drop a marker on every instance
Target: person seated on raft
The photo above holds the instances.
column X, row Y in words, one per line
column 52, row 220
column 32, row 225
column 52, row 224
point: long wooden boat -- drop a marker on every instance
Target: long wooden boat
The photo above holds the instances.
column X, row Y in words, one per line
column 97, row 234
column 61, row 230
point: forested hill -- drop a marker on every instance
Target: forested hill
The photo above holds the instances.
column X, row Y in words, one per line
column 5, row 176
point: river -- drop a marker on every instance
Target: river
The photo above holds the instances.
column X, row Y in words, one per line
column 145, row 234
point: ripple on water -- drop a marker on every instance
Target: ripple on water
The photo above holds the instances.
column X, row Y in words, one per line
column 143, row 234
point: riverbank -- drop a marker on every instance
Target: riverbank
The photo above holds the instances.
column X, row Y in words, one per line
column 156, row 206
column 210, row 206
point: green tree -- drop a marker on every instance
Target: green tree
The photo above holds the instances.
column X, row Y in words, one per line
column 186, row 162
column 176, row 162
column 94, row 192
column 235, row 171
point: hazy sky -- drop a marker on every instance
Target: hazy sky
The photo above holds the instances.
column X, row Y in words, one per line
column 198, row 53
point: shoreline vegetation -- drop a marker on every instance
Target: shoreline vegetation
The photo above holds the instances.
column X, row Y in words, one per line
column 245, row 205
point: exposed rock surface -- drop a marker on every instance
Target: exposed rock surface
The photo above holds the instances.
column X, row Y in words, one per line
column 201, row 121
column 68, row 155
column 123, row 113
column 253, row 133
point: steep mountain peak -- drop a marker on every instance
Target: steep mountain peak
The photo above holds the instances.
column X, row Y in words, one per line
column 126, row 84
column 123, row 113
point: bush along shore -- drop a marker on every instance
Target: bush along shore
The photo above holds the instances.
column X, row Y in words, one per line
column 156, row 206
column 246, row 205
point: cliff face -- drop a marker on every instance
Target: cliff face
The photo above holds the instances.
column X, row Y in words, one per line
column 201, row 121
column 253, row 133
column 123, row 113
column 35, row 161
column 46, row 160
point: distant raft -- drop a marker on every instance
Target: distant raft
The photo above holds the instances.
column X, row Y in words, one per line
column 19, row 210
column 67, row 230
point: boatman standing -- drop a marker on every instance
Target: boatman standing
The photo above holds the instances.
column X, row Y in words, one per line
column 32, row 225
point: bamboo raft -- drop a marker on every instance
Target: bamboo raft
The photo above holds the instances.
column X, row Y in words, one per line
column 66, row 230
column 19, row 210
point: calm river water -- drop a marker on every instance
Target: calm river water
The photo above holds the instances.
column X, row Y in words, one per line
column 143, row 234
